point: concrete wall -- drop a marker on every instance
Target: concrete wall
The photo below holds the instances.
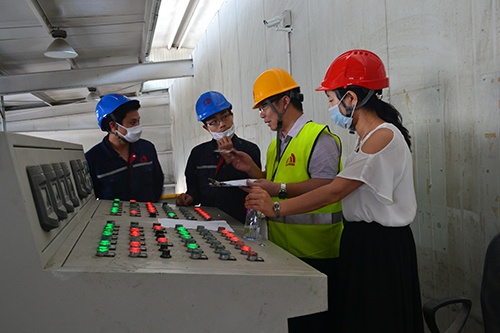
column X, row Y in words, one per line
column 443, row 62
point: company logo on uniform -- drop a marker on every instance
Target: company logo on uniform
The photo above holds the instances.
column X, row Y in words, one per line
column 207, row 101
column 144, row 159
column 290, row 161
column 132, row 158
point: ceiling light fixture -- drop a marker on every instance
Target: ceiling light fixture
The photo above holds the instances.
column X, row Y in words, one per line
column 93, row 95
column 59, row 48
column 184, row 25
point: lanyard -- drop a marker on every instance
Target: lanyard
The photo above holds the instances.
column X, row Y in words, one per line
column 277, row 161
column 221, row 160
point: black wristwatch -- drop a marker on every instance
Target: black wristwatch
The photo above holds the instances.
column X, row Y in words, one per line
column 282, row 192
column 277, row 209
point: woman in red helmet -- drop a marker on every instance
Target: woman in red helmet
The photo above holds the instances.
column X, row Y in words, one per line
column 379, row 287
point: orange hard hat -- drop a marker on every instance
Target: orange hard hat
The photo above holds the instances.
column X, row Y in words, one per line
column 360, row 68
column 272, row 82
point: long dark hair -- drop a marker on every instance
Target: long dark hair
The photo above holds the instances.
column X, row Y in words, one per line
column 384, row 110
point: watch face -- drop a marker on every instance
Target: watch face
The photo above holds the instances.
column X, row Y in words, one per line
column 276, row 209
column 282, row 194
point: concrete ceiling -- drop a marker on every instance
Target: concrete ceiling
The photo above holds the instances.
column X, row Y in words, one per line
column 113, row 38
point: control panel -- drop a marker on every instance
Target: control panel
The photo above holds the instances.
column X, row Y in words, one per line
column 74, row 263
column 154, row 237
column 143, row 238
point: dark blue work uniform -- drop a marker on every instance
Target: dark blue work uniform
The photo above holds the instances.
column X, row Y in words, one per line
column 204, row 163
column 141, row 178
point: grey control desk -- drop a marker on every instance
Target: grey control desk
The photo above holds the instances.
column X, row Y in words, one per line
column 57, row 280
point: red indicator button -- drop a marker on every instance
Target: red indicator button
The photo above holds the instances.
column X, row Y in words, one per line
column 150, row 207
column 246, row 249
column 204, row 214
column 135, row 244
column 253, row 256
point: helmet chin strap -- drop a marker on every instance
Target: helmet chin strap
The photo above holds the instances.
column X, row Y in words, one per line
column 278, row 129
column 115, row 133
column 278, row 139
column 349, row 110
column 119, row 137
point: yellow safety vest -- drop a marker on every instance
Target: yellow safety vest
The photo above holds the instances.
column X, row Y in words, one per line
column 314, row 241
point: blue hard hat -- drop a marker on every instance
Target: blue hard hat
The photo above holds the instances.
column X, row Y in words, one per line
column 110, row 103
column 210, row 103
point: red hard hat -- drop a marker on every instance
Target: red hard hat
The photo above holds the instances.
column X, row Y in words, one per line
column 360, row 68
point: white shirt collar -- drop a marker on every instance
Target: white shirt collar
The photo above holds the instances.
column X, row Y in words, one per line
column 297, row 126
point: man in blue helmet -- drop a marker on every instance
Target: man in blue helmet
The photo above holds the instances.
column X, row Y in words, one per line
column 123, row 166
column 208, row 159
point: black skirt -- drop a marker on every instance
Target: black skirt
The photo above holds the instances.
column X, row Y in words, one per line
column 379, row 289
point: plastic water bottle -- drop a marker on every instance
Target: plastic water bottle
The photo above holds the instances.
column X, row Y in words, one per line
column 252, row 224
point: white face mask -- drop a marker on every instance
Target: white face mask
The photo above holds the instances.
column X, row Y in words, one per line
column 338, row 118
column 133, row 133
column 219, row 135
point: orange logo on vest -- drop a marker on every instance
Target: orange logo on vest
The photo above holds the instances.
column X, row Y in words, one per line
column 291, row 160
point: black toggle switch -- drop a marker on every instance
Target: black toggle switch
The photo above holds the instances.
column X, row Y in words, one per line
column 166, row 253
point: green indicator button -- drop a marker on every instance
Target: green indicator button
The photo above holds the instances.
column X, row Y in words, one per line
column 102, row 249
column 104, row 242
column 192, row 246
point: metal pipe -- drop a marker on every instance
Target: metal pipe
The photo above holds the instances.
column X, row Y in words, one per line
column 185, row 23
column 94, row 77
column 289, row 51
column 2, row 114
column 146, row 48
